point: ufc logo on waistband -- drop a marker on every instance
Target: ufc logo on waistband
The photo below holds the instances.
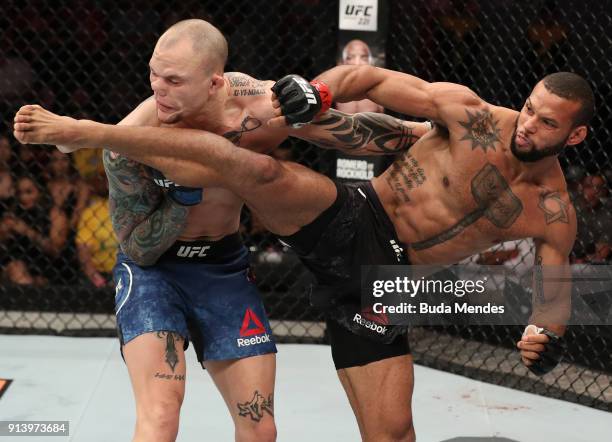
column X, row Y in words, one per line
column 307, row 90
column 164, row 182
column 191, row 251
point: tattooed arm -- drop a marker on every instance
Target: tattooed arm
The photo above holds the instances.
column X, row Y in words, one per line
column 552, row 274
column 365, row 133
column 145, row 221
column 542, row 346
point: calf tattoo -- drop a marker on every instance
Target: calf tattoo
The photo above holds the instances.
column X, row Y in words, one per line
column 256, row 407
column 494, row 201
column 366, row 131
column 482, row 130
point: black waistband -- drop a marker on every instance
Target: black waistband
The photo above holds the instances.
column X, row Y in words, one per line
column 205, row 251
column 381, row 215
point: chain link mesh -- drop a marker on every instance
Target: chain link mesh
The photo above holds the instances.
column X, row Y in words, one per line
column 501, row 49
column 89, row 59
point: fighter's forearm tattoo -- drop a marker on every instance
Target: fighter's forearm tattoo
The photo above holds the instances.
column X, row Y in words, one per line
column 243, row 85
column 248, row 124
column 481, row 129
column 145, row 222
column 405, row 175
column 170, row 354
column 366, row 131
column 256, row 407
column 554, row 208
column 494, row 201
column 538, row 286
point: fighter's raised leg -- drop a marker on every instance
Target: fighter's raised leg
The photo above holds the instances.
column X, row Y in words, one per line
column 285, row 195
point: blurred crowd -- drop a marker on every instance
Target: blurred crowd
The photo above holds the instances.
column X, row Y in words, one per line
column 89, row 59
column 55, row 226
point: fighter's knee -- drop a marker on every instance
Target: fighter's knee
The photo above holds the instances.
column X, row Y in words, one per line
column 397, row 427
column 262, row 431
column 402, row 430
column 160, row 416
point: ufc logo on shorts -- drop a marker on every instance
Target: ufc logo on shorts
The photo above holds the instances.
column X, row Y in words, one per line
column 397, row 249
column 307, row 90
column 191, row 251
column 164, row 183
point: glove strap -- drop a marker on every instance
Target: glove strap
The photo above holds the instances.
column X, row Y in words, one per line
column 324, row 94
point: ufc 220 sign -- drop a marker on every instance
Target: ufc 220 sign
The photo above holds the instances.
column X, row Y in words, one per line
column 358, row 15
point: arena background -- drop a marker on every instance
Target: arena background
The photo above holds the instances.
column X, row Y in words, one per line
column 89, row 59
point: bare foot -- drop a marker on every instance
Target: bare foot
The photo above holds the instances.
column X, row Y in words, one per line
column 36, row 125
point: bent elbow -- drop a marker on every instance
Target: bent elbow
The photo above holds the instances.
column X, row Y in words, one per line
column 268, row 170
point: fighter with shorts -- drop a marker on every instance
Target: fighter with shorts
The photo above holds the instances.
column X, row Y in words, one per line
column 183, row 271
column 486, row 174
column 353, row 231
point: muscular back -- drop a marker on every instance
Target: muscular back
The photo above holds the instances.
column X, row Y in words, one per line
column 457, row 192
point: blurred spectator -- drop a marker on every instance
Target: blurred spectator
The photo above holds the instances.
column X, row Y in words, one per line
column 30, row 161
column 95, row 240
column 601, row 253
column 573, row 176
column 68, row 191
column 6, row 153
column 7, row 198
column 357, row 52
column 37, row 244
column 17, row 77
column 457, row 31
column 88, row 163
column 594, row 221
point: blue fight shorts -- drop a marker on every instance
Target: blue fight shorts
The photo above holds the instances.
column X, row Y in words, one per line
column 201, row 290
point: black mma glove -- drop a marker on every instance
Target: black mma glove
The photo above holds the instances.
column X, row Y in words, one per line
column 301, row 101
column 553, row 353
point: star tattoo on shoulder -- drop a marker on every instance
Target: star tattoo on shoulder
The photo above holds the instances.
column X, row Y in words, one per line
column 482, row 130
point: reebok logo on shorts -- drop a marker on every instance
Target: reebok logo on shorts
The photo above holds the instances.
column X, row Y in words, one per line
column 251, row 326
column 381, row 330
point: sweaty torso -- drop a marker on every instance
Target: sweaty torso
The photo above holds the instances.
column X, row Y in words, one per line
column 243, row 123
column 450, row 197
